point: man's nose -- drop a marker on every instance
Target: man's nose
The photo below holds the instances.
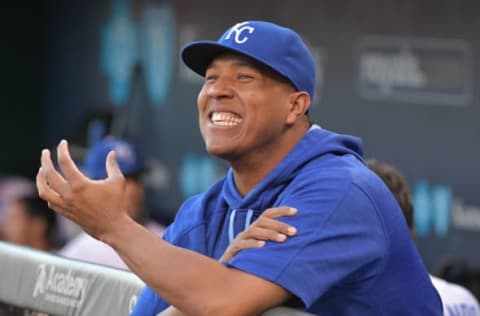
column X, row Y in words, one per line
column 221, row 88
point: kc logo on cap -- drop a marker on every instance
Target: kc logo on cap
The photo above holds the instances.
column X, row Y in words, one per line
column 238, row 29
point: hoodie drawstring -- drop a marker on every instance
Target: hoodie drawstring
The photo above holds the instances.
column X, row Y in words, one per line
column 248, row 219
column 230, row 225
column 231, row 221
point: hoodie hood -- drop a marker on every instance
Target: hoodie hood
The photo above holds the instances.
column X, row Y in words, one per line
column 317, row 142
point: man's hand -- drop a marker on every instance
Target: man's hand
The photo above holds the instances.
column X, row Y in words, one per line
column 266, row 227
column 95, row 205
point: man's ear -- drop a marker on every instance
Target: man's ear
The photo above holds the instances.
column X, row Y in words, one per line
column 299, row 105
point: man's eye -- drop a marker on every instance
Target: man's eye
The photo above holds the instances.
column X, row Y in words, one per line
column 210, row 77
column 243, row 76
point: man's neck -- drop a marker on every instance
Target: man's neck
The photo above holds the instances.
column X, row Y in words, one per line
column 250, row 171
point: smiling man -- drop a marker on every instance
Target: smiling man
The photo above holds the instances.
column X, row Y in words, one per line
column 351, row 253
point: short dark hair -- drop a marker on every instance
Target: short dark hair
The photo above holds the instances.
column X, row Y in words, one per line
column 397, row 184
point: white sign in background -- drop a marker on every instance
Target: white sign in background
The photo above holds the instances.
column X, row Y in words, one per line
column 418, row 70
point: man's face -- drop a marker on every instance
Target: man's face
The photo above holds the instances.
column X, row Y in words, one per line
column 242, row 108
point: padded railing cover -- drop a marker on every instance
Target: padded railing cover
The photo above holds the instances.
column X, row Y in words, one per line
column 42, row 282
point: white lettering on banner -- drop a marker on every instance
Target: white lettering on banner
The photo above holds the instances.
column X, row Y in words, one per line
column 239, row 28
column 390, row 70
column 415, row 70
column 465, row 217
column 59, row 287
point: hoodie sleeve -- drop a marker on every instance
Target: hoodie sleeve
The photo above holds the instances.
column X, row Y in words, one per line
column 340, row 238
column 148, row 304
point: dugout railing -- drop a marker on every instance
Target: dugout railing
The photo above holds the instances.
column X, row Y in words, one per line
column 39, row 283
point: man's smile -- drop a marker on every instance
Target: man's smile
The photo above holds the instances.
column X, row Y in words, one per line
column 225, row 119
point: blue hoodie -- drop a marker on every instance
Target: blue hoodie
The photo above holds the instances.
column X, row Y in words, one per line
column 352, row 254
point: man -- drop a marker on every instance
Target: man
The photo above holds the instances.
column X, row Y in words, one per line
column 351, row 255
column 29, row 222
column 86, row 248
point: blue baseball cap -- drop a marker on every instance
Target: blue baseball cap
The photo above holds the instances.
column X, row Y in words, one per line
column 279, row 48
column 128, row 158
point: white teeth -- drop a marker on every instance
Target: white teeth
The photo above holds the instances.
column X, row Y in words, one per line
column 225, row 119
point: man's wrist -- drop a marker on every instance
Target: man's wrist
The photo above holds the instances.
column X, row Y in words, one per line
column 117, row 230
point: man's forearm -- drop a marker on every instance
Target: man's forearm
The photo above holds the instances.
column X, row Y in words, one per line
column 172, row 272
column 193, row 283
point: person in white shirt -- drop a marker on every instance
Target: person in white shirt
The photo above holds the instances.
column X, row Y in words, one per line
column 456, row 299
column 83, row 246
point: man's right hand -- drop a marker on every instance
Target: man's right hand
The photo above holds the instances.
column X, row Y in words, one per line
column 266, row 227
column 97, row 206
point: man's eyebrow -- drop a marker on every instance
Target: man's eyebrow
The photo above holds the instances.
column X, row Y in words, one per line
column 238, row 63
column 244, row 63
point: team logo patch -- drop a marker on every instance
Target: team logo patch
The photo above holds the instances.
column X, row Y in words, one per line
column 238, row 31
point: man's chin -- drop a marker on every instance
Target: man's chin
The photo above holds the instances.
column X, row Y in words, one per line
column 222, row 152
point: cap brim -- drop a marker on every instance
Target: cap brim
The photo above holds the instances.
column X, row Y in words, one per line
column 198, row 55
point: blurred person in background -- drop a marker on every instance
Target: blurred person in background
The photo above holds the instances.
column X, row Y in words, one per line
column 86, row 248
column 31, row 223
column 11, row 188
column 459, row 271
